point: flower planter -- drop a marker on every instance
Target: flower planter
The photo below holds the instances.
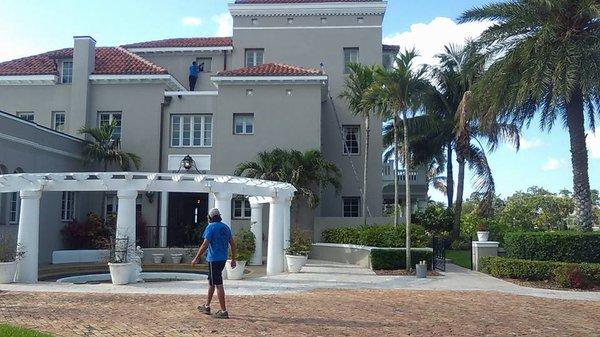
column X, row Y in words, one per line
column 176, row 258
column 483, row 236
column 295, row 262
column 120, row 273
column 236, row 273
column 8, row 271
column 157, row 258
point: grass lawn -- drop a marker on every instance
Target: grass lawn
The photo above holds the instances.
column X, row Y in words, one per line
column 13, row 331
column 460, row 257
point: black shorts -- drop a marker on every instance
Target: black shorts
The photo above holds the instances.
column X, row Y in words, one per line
column 215, row 272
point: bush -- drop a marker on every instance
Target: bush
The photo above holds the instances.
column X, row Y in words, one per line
column 435, row 218
column 377, row 236
column 92, row 233
column 392, row 259
column 300, row 243
column 553, row 246
column 571, row 275
column 244, row 241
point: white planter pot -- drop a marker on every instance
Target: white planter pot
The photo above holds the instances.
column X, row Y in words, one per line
column 483, row 236
column 295, row 262
column 7, row 272
column 176, row 258
column 120, row 273
column 236, row 273
column 157, row 258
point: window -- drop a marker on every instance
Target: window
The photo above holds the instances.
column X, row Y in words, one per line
column 59, row 119
column 110, row 117
column 388, row 60
column 191, row 130
column 351, row 139
column 66, row 74
column 207, row 63
column 28, row 116
column 243, row 124
column 350, row 56
column 351, row 207
column 241, row 208
column 67, row 206
column 112, row 205
column 13, row 212
column 254, row 57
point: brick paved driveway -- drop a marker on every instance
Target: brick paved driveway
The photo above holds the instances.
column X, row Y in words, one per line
column 316, row 313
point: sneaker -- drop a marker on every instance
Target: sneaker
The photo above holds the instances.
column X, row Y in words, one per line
column 204, row 309
column 221, row 314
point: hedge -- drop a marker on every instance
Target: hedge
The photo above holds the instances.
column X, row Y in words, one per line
column 392, row 259
column 563, row 246
column 377, row 236
column 570, row 275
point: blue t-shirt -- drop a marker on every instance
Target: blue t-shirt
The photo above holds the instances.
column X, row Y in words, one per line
column 218, row 235
column 194, row 70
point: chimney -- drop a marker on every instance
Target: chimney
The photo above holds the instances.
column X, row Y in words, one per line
column 84, row 59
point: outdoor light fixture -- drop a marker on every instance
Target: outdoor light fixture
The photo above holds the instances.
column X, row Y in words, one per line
column 188, row 163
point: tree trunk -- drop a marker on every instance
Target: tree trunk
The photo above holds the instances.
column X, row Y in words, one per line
column 449, row 176
column 582, row 197
column 407, row 192
column 395, row 122
column 459, row 197
column 365, row 167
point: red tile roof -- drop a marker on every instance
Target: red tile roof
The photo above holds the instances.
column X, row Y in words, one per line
column 109, row 61
column 241, row 2
column 271, row 69
column 184, row 42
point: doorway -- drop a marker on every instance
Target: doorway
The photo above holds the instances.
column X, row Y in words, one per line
column 187, row 218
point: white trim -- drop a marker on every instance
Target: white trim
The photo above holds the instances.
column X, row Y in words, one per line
column 192, row 93
column 300, row 9
column 28, row 80
column 177, row 49
column 316, row 78
column 39, row 127
column 171, row 82
column 38, row 146
column 304, row 27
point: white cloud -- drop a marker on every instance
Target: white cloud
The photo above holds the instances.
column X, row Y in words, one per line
column 225, row 23
column 554, row 164
column 430, row 38
column 593, row 143
column 191, row 21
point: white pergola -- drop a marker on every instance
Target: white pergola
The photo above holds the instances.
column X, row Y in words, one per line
column 128, row 184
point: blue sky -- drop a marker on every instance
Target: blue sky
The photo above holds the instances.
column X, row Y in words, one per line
column 30, row 27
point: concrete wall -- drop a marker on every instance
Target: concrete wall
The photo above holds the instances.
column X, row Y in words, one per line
column 327, row 46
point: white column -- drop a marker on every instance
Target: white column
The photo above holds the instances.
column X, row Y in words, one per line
column 211, row 200
column 275, row 254
column 28, row 238
column 256, row 228
column 223, row 203
column 286, row 223
column 164, row 219
column 126, row 219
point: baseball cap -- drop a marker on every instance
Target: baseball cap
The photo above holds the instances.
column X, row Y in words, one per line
column 214, row 212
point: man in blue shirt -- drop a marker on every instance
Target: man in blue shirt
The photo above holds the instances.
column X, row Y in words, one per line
column 217, row 238
column 194, row 71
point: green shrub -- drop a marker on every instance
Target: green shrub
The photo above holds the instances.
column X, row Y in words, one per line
column 245, row 244
column 391, row 259
column 561, row 246
column 300, row 243
column 377, row 236
column 436, row 218
column 564, row 274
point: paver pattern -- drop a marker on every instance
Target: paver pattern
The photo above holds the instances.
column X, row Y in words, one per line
column 314, row 313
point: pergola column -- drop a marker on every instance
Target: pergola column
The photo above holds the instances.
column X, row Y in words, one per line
column 126, row 219
column 223, row 203
column 164, row 219
column 256, row 227
column 275, row 254
column 286, row 223
column 28, row 237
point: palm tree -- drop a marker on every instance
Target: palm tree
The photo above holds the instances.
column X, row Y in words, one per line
column 547, row 63
column 105, row 148
column 308, row 171
column 398, row 92
column 361, row 77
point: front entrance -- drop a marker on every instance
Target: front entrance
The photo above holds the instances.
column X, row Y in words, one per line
column 187, row 218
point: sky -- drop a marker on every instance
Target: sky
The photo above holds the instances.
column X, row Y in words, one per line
column 30, row 27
